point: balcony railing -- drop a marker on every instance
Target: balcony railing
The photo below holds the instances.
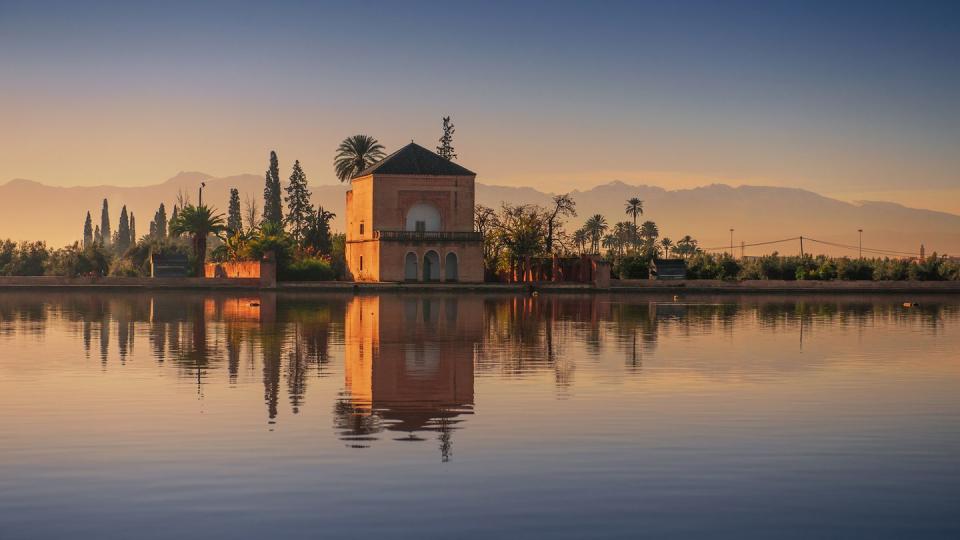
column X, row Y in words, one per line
column 428, row 236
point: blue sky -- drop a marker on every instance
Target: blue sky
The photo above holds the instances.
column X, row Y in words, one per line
column 848, row 98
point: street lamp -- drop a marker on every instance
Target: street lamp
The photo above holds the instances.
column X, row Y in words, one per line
column 200, row 201
column 861, row 242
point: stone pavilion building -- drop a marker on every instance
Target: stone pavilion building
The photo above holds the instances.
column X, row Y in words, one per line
column 410, row 218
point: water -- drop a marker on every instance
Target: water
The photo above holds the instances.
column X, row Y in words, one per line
column 174, row 415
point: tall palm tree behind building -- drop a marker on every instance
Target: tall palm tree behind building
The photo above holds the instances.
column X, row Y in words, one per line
column 355, row 154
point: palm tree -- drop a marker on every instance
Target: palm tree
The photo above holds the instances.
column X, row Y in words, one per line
column 666, row 244
column 634, row 208
column 580, row 238
column 199, row 222
column 649, row 231
column 686, row 247
column 596, row 226
column 623, row 230
column 355, row 154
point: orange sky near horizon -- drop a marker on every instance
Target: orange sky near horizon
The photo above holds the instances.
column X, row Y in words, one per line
column 854, row 105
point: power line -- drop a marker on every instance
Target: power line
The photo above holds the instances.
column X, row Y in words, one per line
column 869, row 250
column 875, row 250
column 754, row 244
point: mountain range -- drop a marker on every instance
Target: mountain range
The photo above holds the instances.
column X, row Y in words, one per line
column 30, row 211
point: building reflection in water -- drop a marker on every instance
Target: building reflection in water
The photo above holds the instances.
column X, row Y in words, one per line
column 410, row 361
column 408, row 368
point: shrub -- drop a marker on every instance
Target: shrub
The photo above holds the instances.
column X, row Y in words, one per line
column 23, row 259
column 73, row 261
column 854, row 269
column 307, row 269
column 729, row 268
column 632, row 267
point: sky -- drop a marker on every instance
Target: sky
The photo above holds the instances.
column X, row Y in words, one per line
column 857, row 100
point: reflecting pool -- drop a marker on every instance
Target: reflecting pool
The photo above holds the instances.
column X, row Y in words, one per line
column 178, row 415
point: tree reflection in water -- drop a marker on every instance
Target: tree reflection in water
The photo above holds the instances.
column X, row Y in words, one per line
column 410, row 361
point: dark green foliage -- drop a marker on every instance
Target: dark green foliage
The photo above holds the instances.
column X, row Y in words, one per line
column 299, row 209
column 854, row 269
column 158, row 229
column 199, row 222
column 105, row 233
column 97, row 236
column 234, row 221
column 272, row 207
column 933, row 268
column 307, row 269
column 88, row 231
column 75, row 260
column 632, row 267
column 123, row 232
column 771, row 266
column 23, row 259
column 273, row 238
column 891, row 270
column 317, row 236
column 139, row 255
column 173, row 217
column 705, row 266
column 445, row 150
column 133, row 229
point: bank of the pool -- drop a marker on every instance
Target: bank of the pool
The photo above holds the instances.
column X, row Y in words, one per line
column 616, row 286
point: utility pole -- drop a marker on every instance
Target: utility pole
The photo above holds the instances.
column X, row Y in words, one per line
column 731, row 242
column 861, row 242
column 801, row 247
column 743, row 250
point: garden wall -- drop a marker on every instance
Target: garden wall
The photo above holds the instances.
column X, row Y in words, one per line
column 232, row 269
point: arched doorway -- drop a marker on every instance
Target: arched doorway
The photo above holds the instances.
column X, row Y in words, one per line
column 452, row 272
column 410, row 267
column 431, row 266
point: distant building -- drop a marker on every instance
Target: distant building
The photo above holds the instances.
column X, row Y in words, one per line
column 668, row 269
column 410, row 218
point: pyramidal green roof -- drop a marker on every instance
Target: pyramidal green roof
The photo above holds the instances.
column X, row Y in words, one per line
column 415, row 160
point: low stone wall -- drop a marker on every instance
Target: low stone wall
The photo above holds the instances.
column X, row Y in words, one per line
column 628, row 285
column 232, row 269
column 21, row 282
column 774, row 285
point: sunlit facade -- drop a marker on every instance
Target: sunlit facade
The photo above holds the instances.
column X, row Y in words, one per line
column 410, row 218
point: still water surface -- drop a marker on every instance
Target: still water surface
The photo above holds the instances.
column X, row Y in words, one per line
column 175, row 415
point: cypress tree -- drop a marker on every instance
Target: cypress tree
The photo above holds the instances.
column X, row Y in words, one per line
column 446, row 141
column 123, row 232
column 160, row 223
column 272, row 208
column 234, row 221
column 105, row 224
column 88, row 232
column 153, row 229
column 173, row 216
column 299, row 209
column 97, row 236
column 133, row 230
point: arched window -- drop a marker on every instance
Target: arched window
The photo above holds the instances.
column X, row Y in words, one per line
column 423, row 217
column 410, row 267
column 431, row 266
column 452, row 272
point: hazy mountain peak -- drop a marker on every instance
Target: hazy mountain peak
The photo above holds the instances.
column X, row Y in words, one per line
column 757, row 213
